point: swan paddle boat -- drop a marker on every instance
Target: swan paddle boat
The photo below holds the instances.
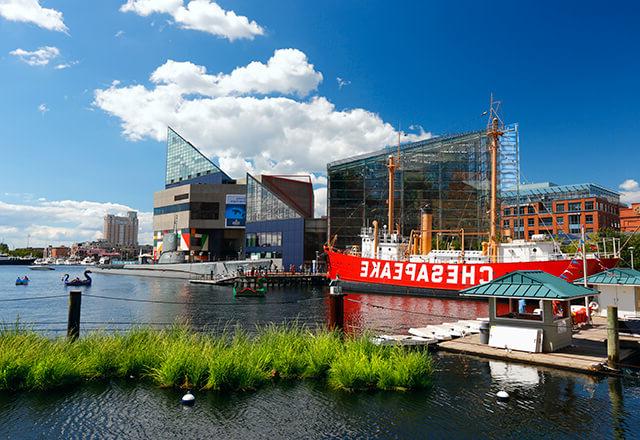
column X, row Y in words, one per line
column 259, row 291
column 77, row 281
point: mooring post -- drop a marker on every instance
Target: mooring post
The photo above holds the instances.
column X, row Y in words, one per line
column 336, row 303
column 73, row 321
column 613, row 341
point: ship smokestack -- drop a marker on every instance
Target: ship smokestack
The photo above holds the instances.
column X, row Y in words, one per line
column 426, row 222
column 391, row 201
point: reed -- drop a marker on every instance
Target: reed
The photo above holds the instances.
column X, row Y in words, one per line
column 231, row 361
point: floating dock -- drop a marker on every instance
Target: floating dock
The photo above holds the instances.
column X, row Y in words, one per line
column 587, row 354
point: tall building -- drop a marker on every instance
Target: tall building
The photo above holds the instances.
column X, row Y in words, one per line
column 201, row 211
column 547, row 208
column 121, row 231
column 280, row 221
column 449, row 173
column 630, row 218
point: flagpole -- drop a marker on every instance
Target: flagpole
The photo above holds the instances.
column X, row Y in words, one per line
column 584, row 270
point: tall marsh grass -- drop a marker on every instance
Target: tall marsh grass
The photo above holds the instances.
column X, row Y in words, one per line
column 232, row 361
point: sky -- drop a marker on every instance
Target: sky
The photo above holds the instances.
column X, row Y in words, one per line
column 88, row 89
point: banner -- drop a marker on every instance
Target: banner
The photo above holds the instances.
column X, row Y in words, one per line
column 235, row 210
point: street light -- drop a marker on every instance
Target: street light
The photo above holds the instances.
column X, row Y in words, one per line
column 631, row 250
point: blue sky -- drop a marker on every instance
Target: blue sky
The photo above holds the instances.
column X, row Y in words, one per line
column 75, row 144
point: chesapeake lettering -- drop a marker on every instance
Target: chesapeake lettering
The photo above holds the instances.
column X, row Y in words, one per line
column 464, row 274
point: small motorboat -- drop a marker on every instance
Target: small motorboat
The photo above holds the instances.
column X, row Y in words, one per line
column 22, row 281
column 259, row 291
column 77, row 281
column 41, row 267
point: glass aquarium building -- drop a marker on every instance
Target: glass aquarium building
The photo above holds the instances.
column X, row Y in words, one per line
column 448, row 173
column 280, row 221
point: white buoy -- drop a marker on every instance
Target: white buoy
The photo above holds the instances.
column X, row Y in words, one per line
column 188, row 399
column 502, row 395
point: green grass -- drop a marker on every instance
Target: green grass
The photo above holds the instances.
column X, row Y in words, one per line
column 233, row 361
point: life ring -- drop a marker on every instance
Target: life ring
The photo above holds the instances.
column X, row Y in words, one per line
column 594, row 305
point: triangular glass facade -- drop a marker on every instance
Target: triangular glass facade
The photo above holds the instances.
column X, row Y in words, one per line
column 185, row 163
column 262, row 204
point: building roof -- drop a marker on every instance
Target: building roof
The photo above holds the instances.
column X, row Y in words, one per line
column 551, row 189
column 534, row 284
column 617, row 275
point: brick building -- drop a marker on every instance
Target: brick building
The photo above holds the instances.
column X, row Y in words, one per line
column 547, row 208
column 630, row 218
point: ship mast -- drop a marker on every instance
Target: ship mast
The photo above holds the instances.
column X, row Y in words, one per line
column 493, row 133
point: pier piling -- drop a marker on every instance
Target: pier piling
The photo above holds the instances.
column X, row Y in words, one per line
column 613, row 339
column 336, row 303
column 73, row 321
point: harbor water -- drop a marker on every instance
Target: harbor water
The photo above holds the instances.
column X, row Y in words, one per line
column 544, row 403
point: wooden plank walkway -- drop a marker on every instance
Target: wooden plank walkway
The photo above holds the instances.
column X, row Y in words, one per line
column 587, row 354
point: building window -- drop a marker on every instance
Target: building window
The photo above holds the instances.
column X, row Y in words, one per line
column 588, row 219
column 521, row 210
column 588, row 206
column 171, row 209
column 575, row 206
column 531, row 222
column 205, row 210
column 180, row 197
column 546, row 222
column 530, row 210
column 507, row 211
column 264, row 239
column 560, row 207
column 560, row 220
column 505, row 224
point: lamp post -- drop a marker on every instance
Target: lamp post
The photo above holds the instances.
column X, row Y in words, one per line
column 631, row 250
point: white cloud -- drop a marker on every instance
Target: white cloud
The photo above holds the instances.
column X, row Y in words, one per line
column 320, row 199
column 62, row 221
column 200, row 15
column 119, row 34
column 30, row 11
column 39, row 57
column 630, row 191
column 62, row 66
column 42, row 108
column 258, row 134
column 342, row 82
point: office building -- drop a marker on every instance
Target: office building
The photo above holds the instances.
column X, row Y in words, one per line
column 547, row 208
column 630, row 218
column 121, row 231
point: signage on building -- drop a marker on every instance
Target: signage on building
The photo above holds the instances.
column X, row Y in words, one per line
column 235, row 211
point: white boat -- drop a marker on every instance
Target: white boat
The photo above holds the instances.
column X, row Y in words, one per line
column 41, row 267
column 88, row 261
column 59, row 261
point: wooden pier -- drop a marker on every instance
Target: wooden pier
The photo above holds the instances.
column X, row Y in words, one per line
column 273, row 279
column 587, row 354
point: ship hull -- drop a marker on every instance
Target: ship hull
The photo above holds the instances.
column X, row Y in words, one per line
column 431, row 279
column 17, row 262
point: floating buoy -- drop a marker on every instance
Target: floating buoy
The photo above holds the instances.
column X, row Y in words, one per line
column 502, row 395
column 188, row 399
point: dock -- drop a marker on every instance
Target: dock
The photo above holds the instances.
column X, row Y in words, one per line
column 273, row 279
column 587, row 354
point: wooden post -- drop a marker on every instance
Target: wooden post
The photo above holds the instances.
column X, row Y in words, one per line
column 73, row 321
column 613, row 342
column 336, row 311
